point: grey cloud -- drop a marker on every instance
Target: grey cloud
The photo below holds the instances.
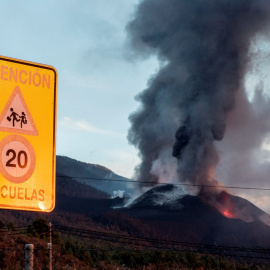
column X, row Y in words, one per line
column 204, row 47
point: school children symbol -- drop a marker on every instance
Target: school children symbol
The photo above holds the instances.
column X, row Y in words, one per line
column 16, row 117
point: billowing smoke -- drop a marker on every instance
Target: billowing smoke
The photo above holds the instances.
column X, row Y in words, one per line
column 204, row 52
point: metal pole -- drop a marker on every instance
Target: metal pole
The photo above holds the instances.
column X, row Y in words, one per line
column 50, row 247
column 29, row 257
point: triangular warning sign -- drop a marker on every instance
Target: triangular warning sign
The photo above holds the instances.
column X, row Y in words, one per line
column 16, row 117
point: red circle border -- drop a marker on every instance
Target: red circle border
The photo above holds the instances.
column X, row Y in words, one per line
column 27, row 144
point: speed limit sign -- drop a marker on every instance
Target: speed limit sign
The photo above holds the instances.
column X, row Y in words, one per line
column 18, row 159
column 27, row 135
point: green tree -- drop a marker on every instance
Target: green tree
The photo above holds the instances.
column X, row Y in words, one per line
column 41, row 227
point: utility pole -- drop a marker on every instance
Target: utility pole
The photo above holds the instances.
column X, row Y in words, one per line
column 29, row 256
column 50, row 247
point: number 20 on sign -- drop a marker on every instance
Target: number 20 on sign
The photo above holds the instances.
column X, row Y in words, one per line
column 27, row 135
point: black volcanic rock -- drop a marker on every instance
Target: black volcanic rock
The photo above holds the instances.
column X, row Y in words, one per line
column 241, row 208
column 162, row 196
column 182, row 217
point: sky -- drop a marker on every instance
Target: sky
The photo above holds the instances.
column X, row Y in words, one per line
column 97, row 76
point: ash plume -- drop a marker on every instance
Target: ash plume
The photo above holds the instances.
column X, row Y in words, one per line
column 204, row 51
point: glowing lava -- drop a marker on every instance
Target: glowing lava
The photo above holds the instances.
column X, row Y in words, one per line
column 227, row 214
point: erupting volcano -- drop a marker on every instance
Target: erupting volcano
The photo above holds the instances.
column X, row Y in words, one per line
column 204, row 53
column 182, row 217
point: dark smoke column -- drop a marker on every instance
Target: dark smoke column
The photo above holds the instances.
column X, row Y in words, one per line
column 204, row 48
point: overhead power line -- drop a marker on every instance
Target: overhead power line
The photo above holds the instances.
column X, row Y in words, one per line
column 152, row 242
column 163, row 183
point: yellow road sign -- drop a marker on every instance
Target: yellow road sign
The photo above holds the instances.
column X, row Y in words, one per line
column 27, row 135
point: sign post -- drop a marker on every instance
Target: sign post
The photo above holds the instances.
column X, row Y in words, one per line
column 27, row 135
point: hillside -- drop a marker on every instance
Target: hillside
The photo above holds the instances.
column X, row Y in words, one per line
column 182, row 217
column 74, row 202
column 163, row 212
column 93, row 175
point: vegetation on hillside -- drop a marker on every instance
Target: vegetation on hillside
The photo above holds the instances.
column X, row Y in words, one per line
column 80, row 253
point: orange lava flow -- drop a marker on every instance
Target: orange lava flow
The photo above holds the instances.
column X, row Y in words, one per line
column 227, row 214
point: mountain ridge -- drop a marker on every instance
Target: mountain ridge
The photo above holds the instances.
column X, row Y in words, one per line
column 163, row 212
column 94, row 175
